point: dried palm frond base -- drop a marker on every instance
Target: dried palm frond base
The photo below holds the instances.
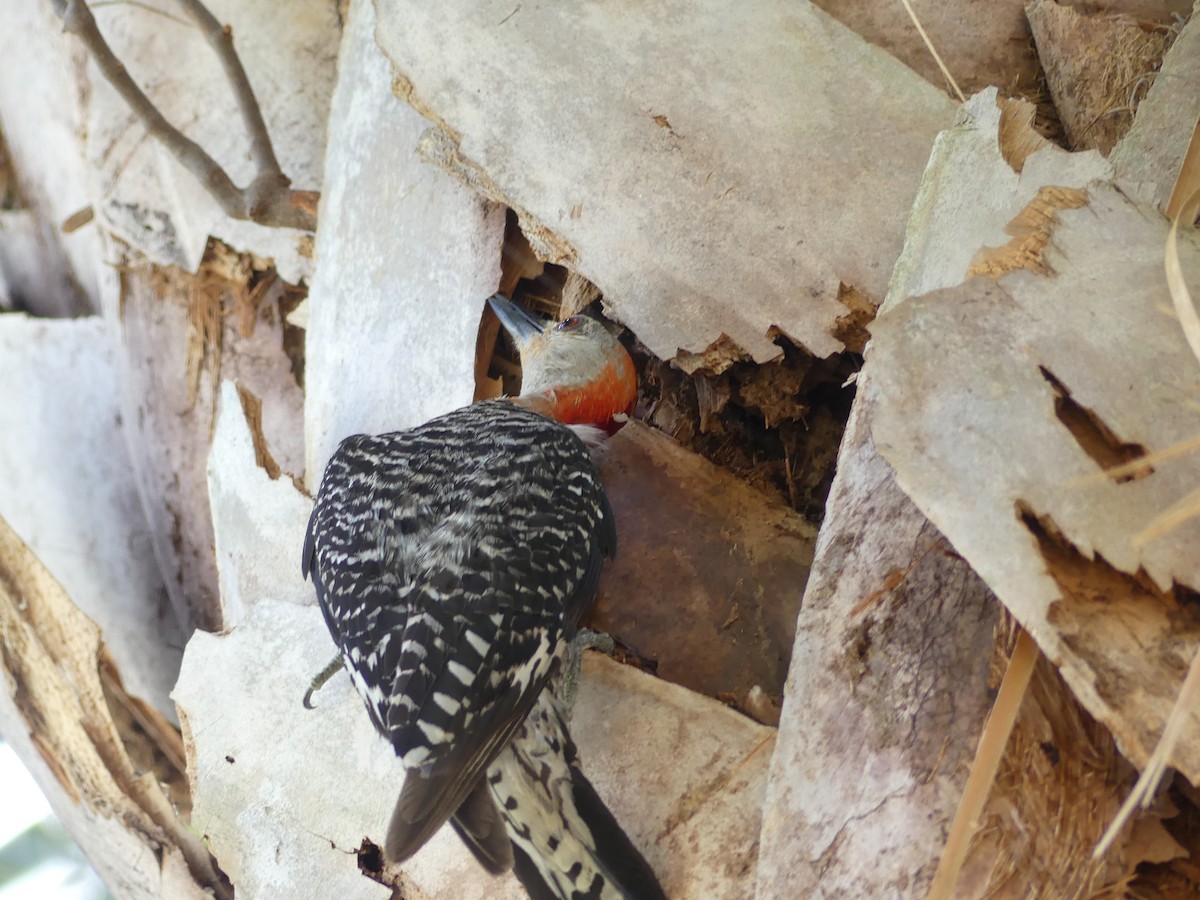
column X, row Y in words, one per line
column 1059, row 784
column 1097, row 68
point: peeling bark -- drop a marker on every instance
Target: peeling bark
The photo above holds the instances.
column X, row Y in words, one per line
column 58, row 683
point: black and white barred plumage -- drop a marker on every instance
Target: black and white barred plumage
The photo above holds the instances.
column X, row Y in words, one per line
column 453, row 563
column 565, row 841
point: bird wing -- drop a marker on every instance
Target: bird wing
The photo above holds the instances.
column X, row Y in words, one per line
column 450, row 573
column 465, row 730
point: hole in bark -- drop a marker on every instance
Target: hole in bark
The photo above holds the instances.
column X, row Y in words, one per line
column 1078, row 575
column 290, row 298
column 1178, row 877
column 776, row 425
column 373, row 865
column 629, row 656
column 370, row 860
column 692, row 538
column 1096, row 439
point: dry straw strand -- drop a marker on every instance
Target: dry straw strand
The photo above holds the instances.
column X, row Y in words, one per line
column 1168, row 520
column 987, row 762
column 1134, row 466
column 937, row 57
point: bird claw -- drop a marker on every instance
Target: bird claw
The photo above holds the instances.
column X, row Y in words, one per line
column 585, row 639
column 319, row 682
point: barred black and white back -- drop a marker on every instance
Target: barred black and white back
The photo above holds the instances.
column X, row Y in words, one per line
column 452, row 563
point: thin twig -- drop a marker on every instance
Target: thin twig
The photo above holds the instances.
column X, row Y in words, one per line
column 1136, row 465
column 145, row 7
column 220, row 38
column 267, row 200
column 1183, row 510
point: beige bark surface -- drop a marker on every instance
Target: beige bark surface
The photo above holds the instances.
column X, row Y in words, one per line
column 68, row 491
column 1036, row 375
column 890, row 665
column 180, row 334
column 1149, row 157
column 885, row 697
column 405, row 258
column 142, row 192
column 705, row 189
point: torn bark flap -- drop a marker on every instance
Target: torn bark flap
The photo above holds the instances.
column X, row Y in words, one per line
column 1001, row 401
column 733, row 196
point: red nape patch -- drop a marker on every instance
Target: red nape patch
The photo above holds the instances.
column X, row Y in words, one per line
column 613, row 393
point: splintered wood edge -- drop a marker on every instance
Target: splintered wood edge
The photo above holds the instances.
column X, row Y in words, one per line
column 1182, row 206
column 54, row 659
column 439, row 147
column 1017, row 138
column 1030, row 229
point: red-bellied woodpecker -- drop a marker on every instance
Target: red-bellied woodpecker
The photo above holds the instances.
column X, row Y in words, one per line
column 453, row 563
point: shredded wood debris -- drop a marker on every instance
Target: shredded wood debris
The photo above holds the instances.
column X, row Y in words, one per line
column 1030, row 230
column 228, row 285
column 252, row 408
column 113, row 755
column 1059, row 782
column 1098, row 68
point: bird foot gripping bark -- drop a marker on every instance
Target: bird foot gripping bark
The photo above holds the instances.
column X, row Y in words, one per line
column 322, row 677
column 585, row 639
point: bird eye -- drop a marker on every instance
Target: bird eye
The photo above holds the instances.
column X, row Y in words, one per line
column 570, row 323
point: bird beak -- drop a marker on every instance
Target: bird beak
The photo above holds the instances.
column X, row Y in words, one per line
column 522, row 325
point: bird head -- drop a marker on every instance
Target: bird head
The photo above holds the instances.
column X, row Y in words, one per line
column 574, row 371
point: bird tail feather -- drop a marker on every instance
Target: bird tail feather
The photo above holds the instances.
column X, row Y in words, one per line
column 566, row 842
